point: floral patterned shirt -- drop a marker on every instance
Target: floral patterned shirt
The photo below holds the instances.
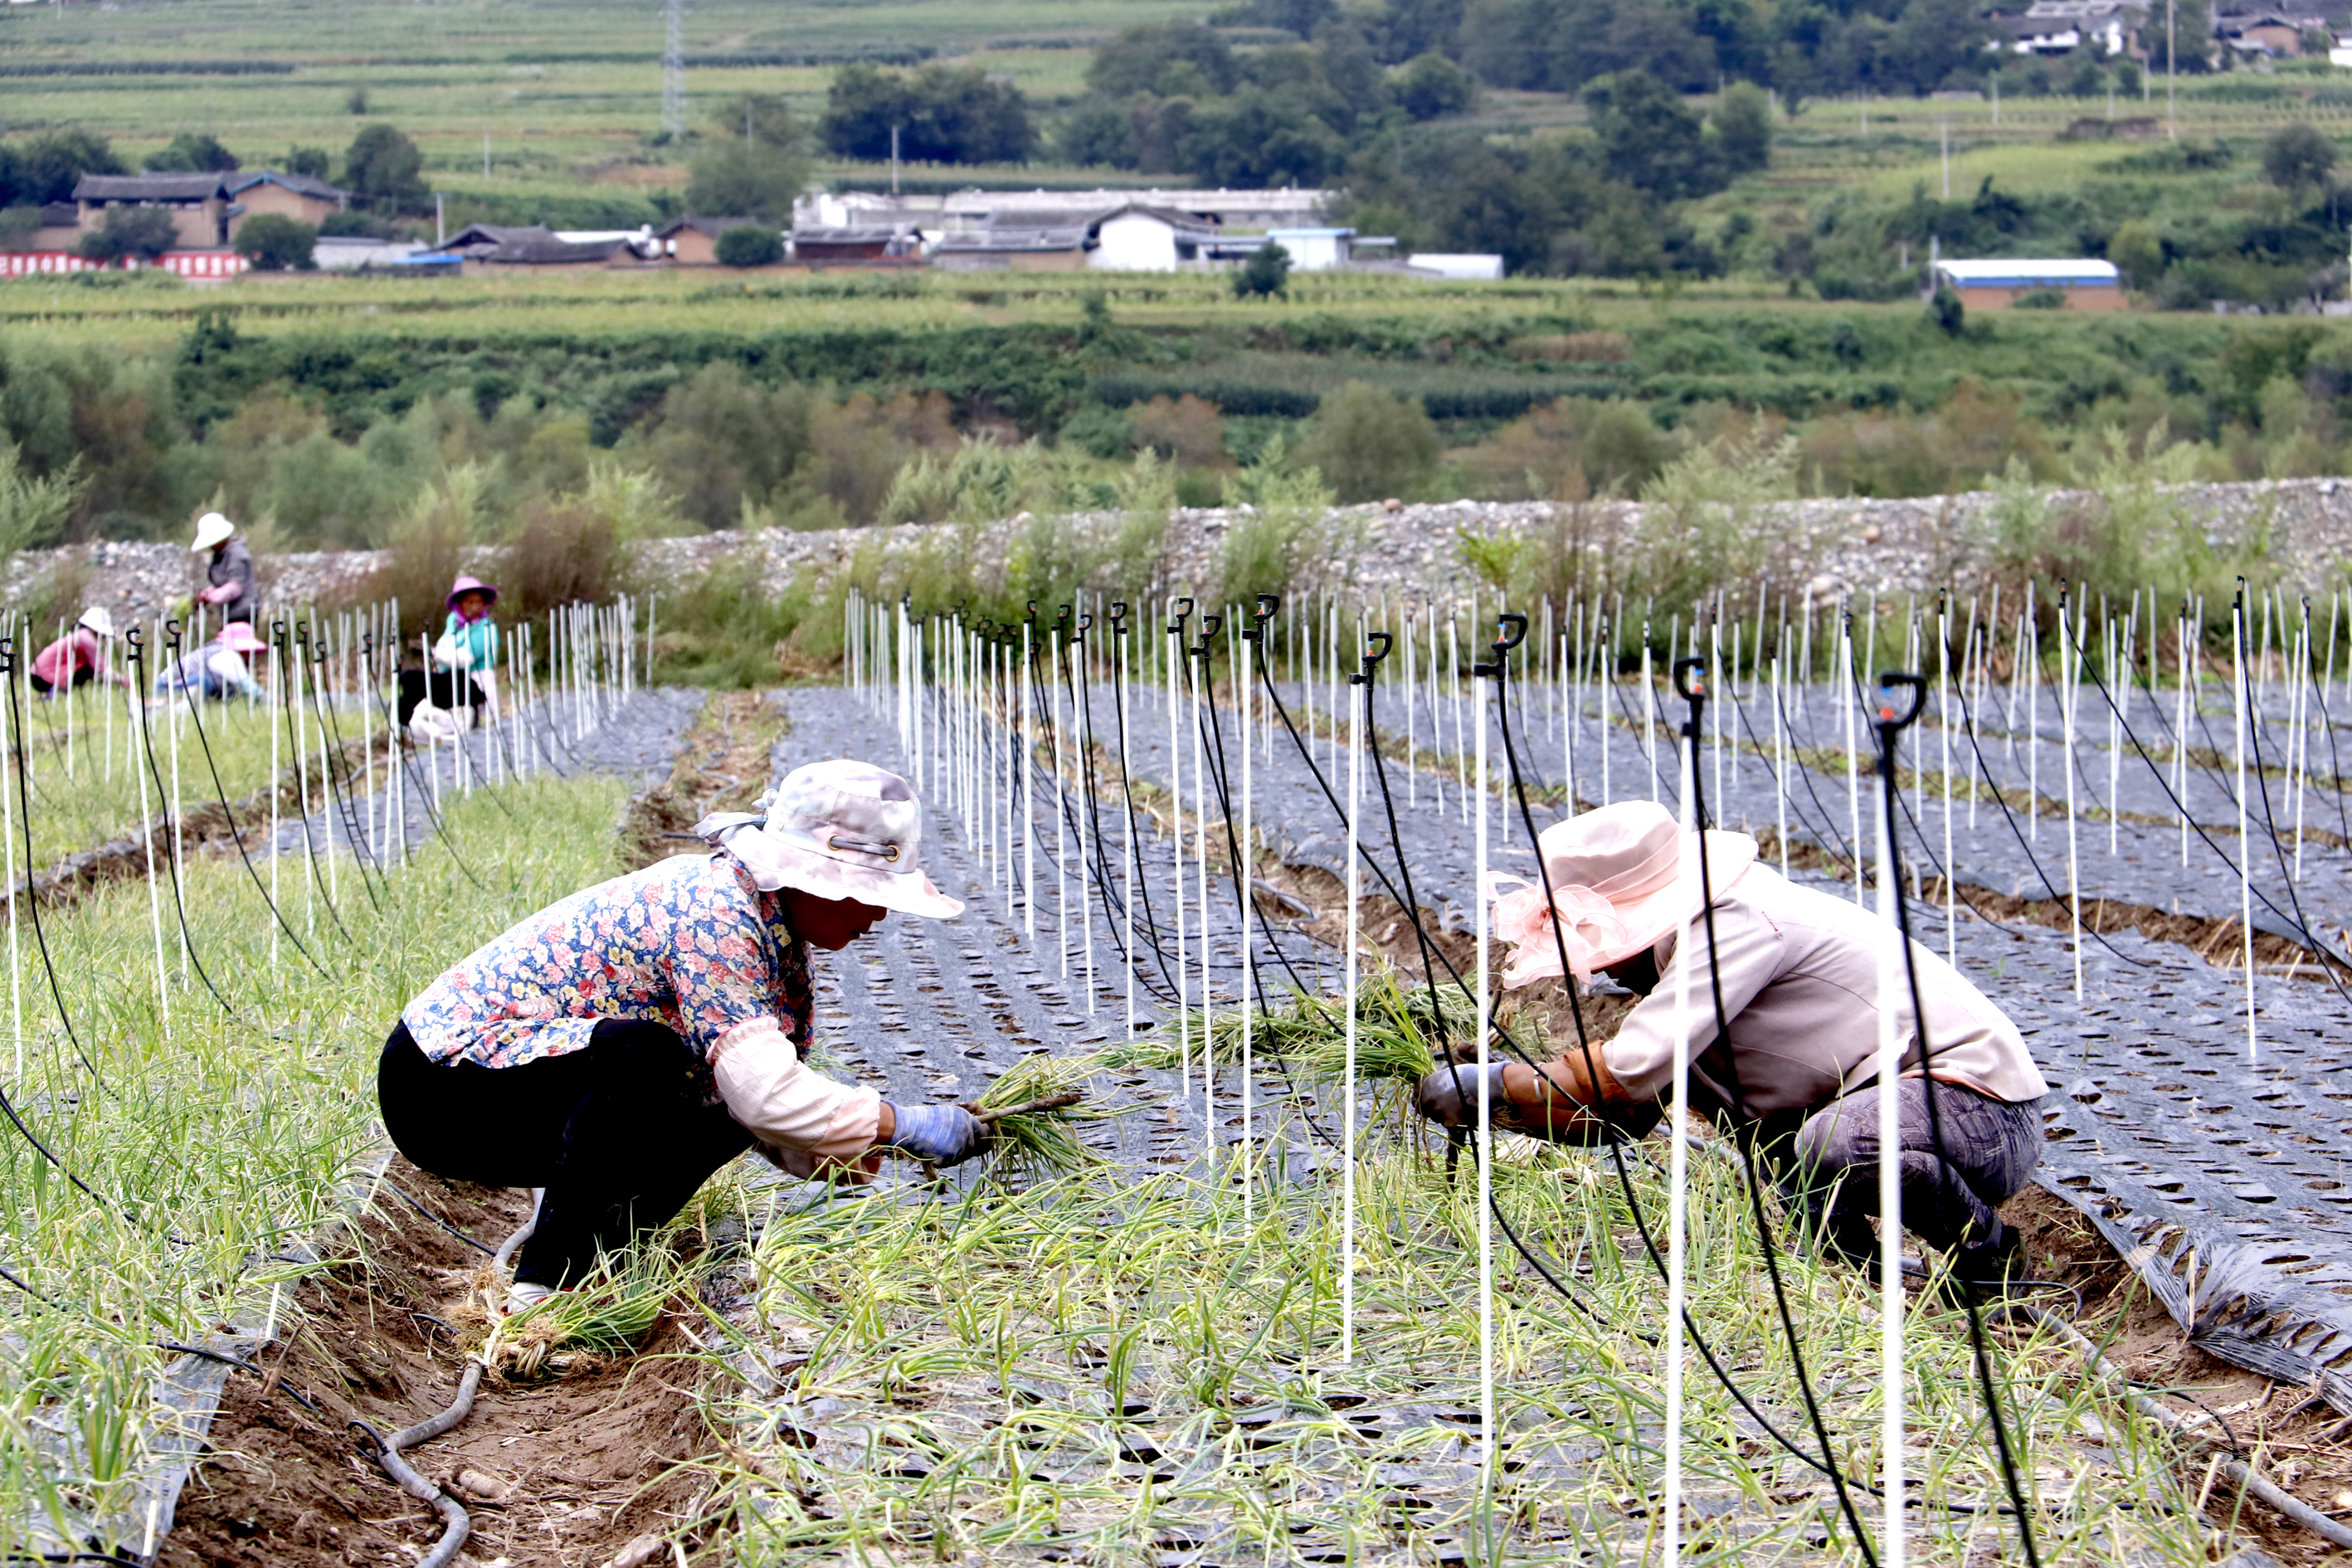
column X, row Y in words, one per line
column 691, row 943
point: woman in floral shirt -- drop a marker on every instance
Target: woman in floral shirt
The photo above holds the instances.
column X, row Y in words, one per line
column 621, row 1044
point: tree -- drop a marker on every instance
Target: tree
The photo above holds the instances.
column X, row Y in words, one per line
column 2138, row 253
column 144, row 232
column 1266, row 272
column 943, row 114
column 47, row 168
column 1650, row 139
column 1257, row 139
column 1743, row 127
column 1946, row 311
column 1369, row 443
column 276, row 243
column 2298, row 158
column 2088, row 81
column 1167, row 59
column 1431, row 86
column 384, row 166
column 311, row 162
column 2192, row 25
column 754, row 165
column 1098, row 131
column 749, row 244
column 192, row 152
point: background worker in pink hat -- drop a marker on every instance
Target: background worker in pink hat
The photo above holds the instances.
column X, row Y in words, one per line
column 217, row 669
column 465, row 658
column 620, row 1045
column 1794, row 1069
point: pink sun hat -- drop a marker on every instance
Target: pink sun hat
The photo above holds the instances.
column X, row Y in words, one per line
column 465, row 585
column 1622, row 876
column 237, row 638
column 837, row 829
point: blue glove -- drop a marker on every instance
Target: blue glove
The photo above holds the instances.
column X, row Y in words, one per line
column 942, row 1134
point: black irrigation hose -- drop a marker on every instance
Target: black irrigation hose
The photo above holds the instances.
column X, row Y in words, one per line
column 345, row 807
column 1825, row 1465
column 269, row 1381
column 2334, row 958
column 171, row 827
column 303, row 777
column 397, row 1192
column 1889, row 728
column 1127, row 790
column 32, row 902
column 237, row 834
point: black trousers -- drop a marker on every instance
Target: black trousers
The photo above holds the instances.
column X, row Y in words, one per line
column 441, row 688
column 616, row 1133
column 1950, row 1198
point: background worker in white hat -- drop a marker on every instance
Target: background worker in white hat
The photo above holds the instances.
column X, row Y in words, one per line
column 228, row 578
column 79, row 657
column 619, row 1047
column 1794, row 1069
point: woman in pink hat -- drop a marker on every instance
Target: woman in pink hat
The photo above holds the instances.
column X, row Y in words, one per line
column 619, row 1047
column 467, row 649
column 1794, row 1070
column 217, row 669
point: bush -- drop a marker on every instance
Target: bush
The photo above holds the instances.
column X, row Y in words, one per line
column 192, row 152
column 1431, row 86
column 275, row 243
column 384, row 166
column 2039, row 300
column 1266, row 272
column 1368, row 443
column 1186, row 431
column 943, row 114
column 144, row 232
column 756, row 165
column 751, row 245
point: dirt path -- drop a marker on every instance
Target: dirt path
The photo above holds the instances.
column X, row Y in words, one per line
column 564, row 1470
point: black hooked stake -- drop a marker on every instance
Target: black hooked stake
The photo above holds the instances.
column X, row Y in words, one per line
column 1510, row 631
column 1116, row 615
column 1182, row 612
column 1890, row 724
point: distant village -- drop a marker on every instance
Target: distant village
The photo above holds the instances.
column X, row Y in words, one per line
column 969, row 231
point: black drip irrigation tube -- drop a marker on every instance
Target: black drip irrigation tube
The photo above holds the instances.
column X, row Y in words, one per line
column 171, row 824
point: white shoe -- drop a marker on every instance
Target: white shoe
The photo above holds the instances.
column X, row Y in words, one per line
column 522, row 1296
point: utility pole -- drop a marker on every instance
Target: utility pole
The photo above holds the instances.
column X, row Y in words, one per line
column 673, row 108
column 440, row 219
column 894, row 160
column 1996, row 98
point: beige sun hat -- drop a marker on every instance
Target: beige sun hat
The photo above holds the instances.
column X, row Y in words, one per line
column 97, row 620
column 838, row 829
column 1622, row 876
column 212, row 529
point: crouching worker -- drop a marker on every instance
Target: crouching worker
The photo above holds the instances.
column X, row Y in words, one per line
column 217, row 669
column 620, row 1045
column 1793, row 1072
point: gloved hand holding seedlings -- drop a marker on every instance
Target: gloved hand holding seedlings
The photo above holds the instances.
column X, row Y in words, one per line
column 621, row 1044
column 1794, row 1066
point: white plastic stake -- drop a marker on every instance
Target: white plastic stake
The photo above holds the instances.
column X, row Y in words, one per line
column 1678, row 1177
column 1348, row 1074
column 1486, row 1143
column 2241, row 698
column 1892, row 991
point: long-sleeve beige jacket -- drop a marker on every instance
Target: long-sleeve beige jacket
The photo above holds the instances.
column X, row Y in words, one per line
column 1799, row 973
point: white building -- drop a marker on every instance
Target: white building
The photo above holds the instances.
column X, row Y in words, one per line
column 1139, row 238
column 1469, row 266
column 1227, row 211
column 2061, row 26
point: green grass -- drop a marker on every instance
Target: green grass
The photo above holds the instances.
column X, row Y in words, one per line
column 228, row 1138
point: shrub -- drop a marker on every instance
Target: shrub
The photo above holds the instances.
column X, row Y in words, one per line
column 1186, row 430
column 721, row 442
column 192, row 152
column 1369, row 444
column 751, row 245
column 755, row 167
column 384, row 166
column 1266, row 272
column 144, row 232
column 1431, row 87
column 2039, row 300
column 1262, row 548
column 576, row 547
column 275, row 243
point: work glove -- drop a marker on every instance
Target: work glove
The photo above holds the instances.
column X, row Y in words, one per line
column 938, row 1134
column 1449, row 1096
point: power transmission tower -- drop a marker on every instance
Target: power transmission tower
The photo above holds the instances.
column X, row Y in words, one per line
column 673, row 71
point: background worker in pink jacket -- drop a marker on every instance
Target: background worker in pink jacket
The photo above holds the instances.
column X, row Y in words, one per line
column 620, row 1045
column 1794, row 1067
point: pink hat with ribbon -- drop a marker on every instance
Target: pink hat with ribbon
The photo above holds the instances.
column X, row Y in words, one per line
column 237, row 638
column 465, row 584
column 1622, row 876
column 837, row 829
